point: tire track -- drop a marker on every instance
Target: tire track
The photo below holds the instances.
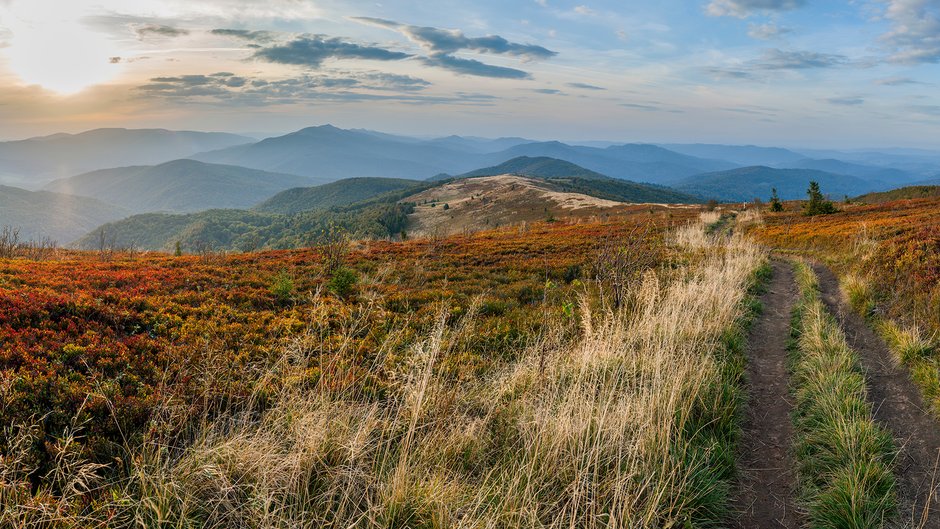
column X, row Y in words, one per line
column 766, row 488
column 899, row 407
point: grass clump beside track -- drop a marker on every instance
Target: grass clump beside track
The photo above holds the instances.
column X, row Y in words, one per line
column 911, row 345
column 844, row 458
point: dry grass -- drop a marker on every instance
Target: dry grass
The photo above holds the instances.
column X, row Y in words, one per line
column 621, row 417
column 858, row 292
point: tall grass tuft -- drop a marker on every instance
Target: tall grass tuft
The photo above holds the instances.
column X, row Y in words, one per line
column 859, row 294
column 844, row 459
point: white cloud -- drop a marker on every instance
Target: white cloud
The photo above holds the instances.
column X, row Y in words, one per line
column 746, row 8
column 766, row 31
column 915, row 31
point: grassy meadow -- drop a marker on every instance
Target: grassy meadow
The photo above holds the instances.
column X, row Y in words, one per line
column 555, row 375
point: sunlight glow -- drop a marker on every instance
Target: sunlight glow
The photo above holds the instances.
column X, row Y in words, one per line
column 55, row 51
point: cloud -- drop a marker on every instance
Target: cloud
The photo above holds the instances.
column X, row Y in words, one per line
column 651, row 107
column 731, row 73
column 244, row 34
column 585, row 86
column 443, row 44
column 915, row 33
column 777, row 59
column 746, row 8
column 896, row 81
column 584, row 10
column 473, row 67
column 450, row 41
column 185, row 86
column 550, row 91
column 224, row 88
column 158, row 30
column 313, row 50
column 845, row 101
column 774, row 59
column 766, row 31
column 930, row 110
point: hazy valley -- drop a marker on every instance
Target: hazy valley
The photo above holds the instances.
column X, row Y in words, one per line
column 180, row 198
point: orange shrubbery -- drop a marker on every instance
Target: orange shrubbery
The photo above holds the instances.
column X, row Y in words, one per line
column 895, row 247
column 95, row 347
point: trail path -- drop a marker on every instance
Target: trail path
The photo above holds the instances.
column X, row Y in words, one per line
column 766, row 486
column 898, row 406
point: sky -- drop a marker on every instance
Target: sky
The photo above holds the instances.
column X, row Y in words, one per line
column 799, row 73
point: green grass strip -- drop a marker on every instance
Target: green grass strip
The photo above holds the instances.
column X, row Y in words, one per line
column 844, row 459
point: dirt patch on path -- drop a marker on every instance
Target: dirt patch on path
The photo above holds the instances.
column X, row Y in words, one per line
column 766, row 489
column 899, row 407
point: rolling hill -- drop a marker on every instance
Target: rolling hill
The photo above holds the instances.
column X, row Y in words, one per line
column 540, row 167
column 179, row 186
column 63, row 218
column 374, row 207
column 568, row 177
column 481, row 202
column 34, row 162
column 886, row 175
column 245, row 230
column 747, row 183
column 904, row 193
column 339, row 193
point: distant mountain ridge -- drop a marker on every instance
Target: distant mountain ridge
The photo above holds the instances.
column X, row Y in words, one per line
column 179, row 186
column 886, row 175
column 635, row 162
column 334, row 153
column 36, row 161
column 743, row 155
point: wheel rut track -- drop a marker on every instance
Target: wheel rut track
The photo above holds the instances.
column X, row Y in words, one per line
column 899, row 407
column 765, row 492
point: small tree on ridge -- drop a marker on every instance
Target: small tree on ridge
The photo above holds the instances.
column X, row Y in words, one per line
column 817, row 204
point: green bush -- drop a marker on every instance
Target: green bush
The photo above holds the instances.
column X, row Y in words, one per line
column 282, row 288
column 343, row 282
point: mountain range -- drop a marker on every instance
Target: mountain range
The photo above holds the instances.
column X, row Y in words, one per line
column 325, row 171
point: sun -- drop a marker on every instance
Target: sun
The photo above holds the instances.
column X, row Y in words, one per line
column 59, row 54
